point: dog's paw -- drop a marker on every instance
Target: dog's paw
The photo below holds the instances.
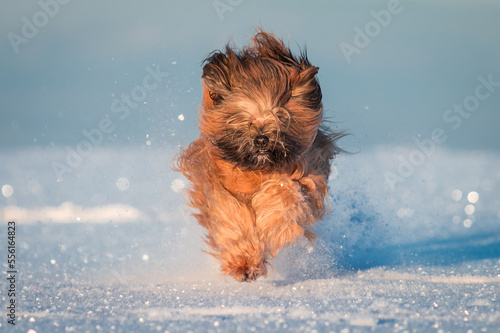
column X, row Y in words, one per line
column 244, row 272
column 252, row 273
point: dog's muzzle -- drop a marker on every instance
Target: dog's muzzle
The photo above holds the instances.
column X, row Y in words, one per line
column 261, row 141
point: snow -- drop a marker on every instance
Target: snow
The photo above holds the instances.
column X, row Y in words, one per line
column 112, row 247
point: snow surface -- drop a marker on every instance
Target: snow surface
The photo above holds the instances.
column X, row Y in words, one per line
column 111, row 247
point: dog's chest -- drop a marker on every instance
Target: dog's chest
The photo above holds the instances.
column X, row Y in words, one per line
column 242, row 184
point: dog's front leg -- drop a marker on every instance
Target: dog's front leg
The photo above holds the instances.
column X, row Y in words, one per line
column 232, row 235
column 282, row 213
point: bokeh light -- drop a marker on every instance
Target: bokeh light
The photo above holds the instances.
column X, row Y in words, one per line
column 473, row 197
column 7, row 190
column 468, row 223
column 469, row 209
column 122, row 184
column 177, row 185
column 456, row 195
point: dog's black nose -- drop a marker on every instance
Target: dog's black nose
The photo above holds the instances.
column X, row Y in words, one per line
column 261, row 141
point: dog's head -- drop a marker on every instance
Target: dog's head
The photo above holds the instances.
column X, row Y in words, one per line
column 261, row 106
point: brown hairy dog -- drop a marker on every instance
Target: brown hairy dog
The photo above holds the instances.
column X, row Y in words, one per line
column 260, row 167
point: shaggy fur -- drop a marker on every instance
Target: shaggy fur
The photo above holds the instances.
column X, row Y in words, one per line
column 260, row 167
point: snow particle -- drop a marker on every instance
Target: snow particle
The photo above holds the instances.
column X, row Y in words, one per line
column 456, row 195
column 53, row 261
column 468, row 223
column 7, row 190
column 473, row 197
column 180, row 117
column 216, row 323
column 31, row 330
column 177, row 185
column 145, row 257
column 469, row 209
column 122, row 184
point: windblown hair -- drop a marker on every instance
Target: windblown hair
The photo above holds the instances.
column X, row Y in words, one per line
column 259, row 169
column 261, row 90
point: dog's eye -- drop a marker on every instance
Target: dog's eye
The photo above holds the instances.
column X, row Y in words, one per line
column 215, row 97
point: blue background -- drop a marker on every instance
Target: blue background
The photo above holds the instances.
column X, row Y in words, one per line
column 111, row 243
column 397, row 88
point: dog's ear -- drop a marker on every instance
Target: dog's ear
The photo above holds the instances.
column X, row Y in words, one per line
column 217, row 77
column 306, row 89
column 305, row 86
column 210, row 97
